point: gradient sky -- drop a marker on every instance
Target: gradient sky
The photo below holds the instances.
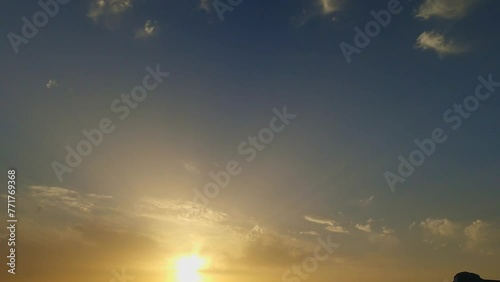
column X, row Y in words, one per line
column 129, row 205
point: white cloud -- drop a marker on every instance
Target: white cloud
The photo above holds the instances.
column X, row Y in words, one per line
column 332, row 225
column 441, row 227
column 432, row 40
column 52, row 83
column 149, row 29
column 445, row 9
column 365, row 228
column 319, row 220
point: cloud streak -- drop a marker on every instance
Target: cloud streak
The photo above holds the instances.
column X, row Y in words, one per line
column 445, row 9
column 332, row 225
column 434, row 41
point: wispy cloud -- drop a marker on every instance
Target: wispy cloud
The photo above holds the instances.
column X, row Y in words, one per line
column 177, row 211
column 312, row 233
column 445, row 9
column 65, row 199
column 319, row 220
column 432, row 40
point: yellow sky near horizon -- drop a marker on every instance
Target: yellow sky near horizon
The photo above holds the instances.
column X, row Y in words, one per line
column 68, row 235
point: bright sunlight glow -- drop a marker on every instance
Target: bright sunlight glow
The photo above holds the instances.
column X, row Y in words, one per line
column 187, row 268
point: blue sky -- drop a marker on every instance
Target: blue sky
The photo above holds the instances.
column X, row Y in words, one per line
column 322, row 176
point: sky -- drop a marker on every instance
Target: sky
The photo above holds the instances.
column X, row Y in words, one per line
column 237, row 140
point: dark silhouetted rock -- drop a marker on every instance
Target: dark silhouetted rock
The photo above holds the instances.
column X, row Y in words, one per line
column 470, row 277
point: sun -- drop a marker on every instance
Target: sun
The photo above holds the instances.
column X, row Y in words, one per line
column 188, row 267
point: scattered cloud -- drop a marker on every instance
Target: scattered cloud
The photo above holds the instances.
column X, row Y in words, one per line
column 480, row 237
column 149, row 29
column 441, row 227
column 163, row 227
column 432, row 40
column 52, row 83
column 445, row 9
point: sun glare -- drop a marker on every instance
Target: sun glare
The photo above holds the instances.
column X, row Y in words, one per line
column 188, row 268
